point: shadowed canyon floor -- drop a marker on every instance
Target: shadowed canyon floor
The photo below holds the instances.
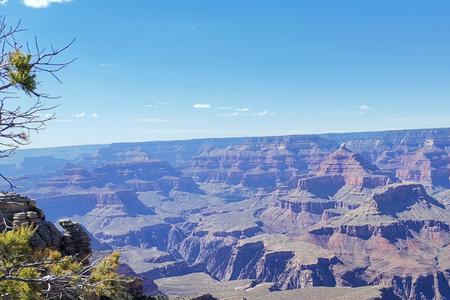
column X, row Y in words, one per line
column 332, row 216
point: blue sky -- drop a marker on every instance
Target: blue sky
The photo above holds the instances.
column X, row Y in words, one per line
column 162, row 70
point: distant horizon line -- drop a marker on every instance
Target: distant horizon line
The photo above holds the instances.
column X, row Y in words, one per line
column 236, row 137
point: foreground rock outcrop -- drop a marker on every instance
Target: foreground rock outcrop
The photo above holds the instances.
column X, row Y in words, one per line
column 17, row 210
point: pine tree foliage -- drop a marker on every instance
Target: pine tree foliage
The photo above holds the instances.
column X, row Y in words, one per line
column 29, row 274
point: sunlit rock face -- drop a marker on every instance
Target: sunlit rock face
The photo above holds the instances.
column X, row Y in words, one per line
column 350, row 212
column 404, row 221
column 265, row 163
column 428, row 164
column 344, row 167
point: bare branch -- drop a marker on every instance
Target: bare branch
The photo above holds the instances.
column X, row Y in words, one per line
column 20, row 65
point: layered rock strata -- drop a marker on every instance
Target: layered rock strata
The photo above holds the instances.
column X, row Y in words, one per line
column 343, row 168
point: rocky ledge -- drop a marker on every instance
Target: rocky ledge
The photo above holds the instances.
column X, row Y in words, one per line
column 17, row 210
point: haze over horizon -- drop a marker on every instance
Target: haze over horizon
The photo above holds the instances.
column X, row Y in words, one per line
column 31, row 146
column 147, row 71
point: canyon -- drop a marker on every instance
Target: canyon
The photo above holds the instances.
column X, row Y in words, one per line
column 343, row 215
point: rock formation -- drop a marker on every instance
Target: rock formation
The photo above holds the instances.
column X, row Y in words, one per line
column 266, row 163
column 17, row 210
column 75, row 241
column 428, row 164
column 289, row 213
column 404, row 221
column 343, row 167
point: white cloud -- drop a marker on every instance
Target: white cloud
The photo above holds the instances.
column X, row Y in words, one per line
column 160, row 103
column 63, row 120
column 3, row 2
column 242, row 111
column 155, row 120
column 264, row 113
column 363, row 109
column 151, row 106
column 105, row 65
column 83, row 114
column 335, row 112
column 230, row 114
column 201, row 106
column 42, row 3
column 79, row 115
